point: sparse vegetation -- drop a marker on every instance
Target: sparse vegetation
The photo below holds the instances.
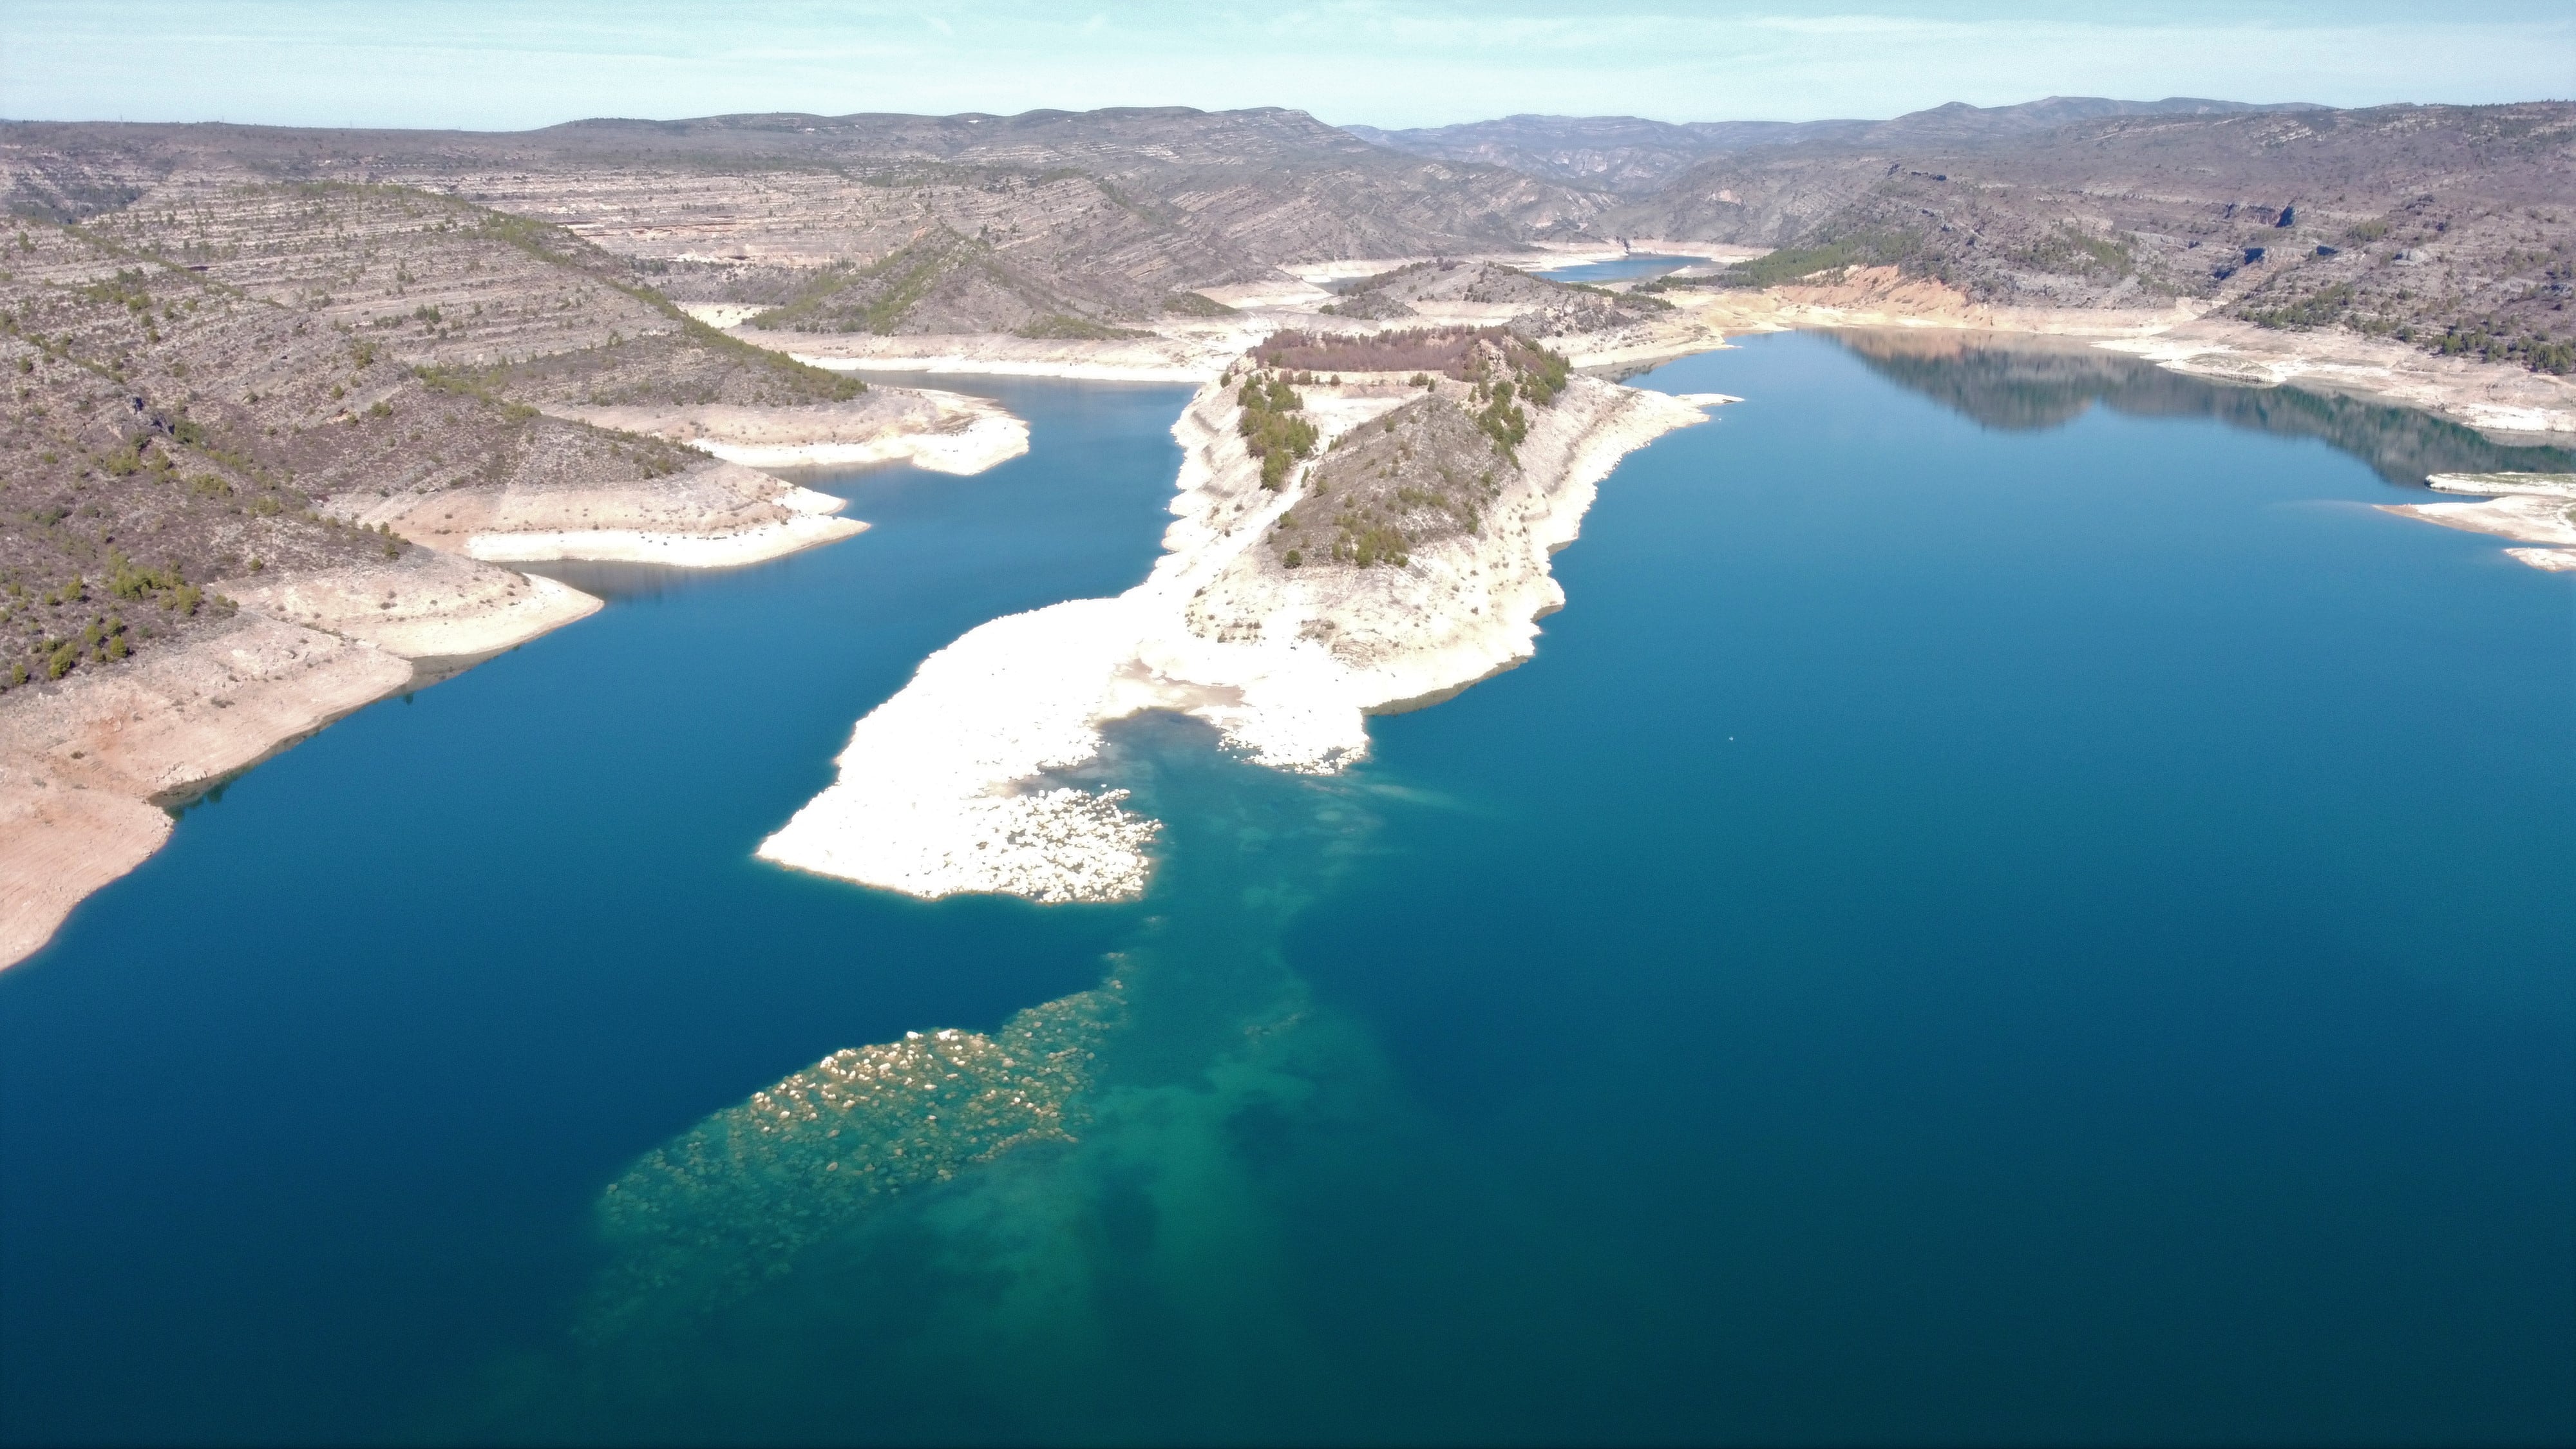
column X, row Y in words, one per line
column 1460, row 353
column 1271, row 427
column 1064, row 327
column 174, row 426
column 2320, row 308
column 1793, row 264
column 941, row 281
column 1194, row 304
column 1425, row 472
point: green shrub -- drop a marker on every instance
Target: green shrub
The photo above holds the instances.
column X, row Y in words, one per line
column 1272, row 429
column 1791, row 264
column 2318, row 309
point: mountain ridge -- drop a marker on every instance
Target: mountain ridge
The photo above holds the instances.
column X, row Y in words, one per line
column 1631, row 155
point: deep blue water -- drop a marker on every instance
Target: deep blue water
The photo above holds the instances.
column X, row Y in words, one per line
column 2010, row 906
column 1620, row 269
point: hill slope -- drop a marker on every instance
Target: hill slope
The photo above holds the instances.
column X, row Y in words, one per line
column 1102, row 214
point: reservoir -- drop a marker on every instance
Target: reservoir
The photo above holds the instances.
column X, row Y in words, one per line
column 1622, row 269
column 2011, row 904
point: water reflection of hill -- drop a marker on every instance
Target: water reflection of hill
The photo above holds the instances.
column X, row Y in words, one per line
column 2027, row 384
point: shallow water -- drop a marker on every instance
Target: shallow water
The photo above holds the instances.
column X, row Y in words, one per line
column 1991, row 916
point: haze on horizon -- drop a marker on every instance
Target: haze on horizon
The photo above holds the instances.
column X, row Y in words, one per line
column 492, row 65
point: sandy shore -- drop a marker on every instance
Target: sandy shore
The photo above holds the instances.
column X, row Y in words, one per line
column 944, row 432
column 968, row 779
column 84, row 764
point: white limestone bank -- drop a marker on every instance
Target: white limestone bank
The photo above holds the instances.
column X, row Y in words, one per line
column 944, row 432
column 2526, row 507
column 714, row 515
column 957, row 784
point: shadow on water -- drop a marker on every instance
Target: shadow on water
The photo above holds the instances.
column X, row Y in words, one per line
column 2016, row 384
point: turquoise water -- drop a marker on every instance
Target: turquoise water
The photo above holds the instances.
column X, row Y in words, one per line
column 2009, row 906
column 1620, row 269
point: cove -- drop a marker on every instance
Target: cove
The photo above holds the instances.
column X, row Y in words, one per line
column 1621, row 269
column 1981, row 922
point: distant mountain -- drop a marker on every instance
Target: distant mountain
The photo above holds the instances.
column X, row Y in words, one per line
column 985, row 222
column 2448, row 226
column 2442, row 225
column 1621, row 154
column 1631, row 156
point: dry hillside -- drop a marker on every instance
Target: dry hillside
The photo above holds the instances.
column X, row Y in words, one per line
column 992, row 222
column 2451, row 227
column 206, row 384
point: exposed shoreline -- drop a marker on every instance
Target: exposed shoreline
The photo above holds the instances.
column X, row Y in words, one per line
column 2531, row 508
column 1191, row 355
column 86, row 764
column 941, row 432
column 2509, row 403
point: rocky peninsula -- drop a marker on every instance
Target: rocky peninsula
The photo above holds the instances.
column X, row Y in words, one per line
column 1346, row 542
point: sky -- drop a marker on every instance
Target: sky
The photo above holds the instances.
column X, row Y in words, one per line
column 512, row 64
